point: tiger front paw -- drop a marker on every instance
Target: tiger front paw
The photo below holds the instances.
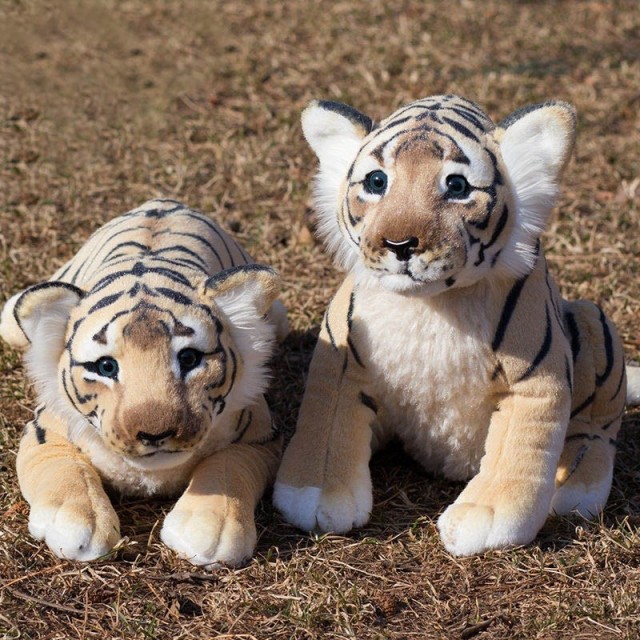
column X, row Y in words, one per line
column 467, row 528
column 74, row 528
column 209, row 537
column 338, row 507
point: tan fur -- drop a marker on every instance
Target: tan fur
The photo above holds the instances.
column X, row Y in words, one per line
column 146, row 288
column 460, row 344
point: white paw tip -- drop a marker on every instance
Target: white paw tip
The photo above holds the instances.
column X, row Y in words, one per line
column 465, row 531
column 299, row 505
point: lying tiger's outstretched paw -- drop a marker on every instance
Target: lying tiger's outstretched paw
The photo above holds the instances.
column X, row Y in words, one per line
column 75, row 527
column 209, row 537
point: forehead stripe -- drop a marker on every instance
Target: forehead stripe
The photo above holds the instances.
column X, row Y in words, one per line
column 123, row 245
column 175, row 296
column 468, row 117
column 460, row 128
column 105, row 302
column 199, row 239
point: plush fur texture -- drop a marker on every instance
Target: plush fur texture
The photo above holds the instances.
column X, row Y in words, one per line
column 449, row 332
column 149, row 355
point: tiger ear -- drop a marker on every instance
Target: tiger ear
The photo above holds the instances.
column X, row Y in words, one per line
column 535, row 143
column 42, row 311
column 244, row 294
column 334, row 131
column 254, row 285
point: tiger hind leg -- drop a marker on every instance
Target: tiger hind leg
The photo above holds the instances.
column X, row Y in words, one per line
column 585, row 472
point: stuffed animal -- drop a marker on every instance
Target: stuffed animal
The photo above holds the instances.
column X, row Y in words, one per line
column 449, row 332
column 148, row 353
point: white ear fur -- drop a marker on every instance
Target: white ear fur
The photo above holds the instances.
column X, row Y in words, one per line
column 536, row 144
column 244, row 294
column 42, row 313
column 335, row 132
column 46, row 305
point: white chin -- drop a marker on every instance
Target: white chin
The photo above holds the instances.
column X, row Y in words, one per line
column 159, row 461
column 405, row 284
column 397, row 282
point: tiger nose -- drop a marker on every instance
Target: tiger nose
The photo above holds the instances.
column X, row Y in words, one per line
column 402, row 248
column 154, row 438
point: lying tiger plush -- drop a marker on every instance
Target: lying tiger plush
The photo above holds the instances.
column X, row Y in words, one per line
column 148, row 352
column 449, row 332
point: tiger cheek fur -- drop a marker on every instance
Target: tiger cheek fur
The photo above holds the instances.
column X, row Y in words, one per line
column 449, row 332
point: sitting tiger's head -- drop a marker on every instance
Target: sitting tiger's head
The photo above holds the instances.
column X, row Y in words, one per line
column 436, row 196
column 147, row 369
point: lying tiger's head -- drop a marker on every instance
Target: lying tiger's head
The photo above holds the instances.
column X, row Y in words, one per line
column 436, row 196
column 150, row 369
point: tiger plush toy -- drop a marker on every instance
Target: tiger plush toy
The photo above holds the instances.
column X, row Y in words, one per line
column 449, row 332
column 148, row 350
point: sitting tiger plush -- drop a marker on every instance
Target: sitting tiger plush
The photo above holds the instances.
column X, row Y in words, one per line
column 148, row 353
column 449, row 332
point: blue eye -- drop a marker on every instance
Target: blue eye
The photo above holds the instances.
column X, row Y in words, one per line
column 376, row 182
column 457, row 187
column 189, row 359
column 107, row 367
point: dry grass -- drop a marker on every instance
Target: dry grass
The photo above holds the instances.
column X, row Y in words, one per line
column 109, row 103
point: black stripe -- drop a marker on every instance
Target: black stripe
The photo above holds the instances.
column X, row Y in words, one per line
column 574, row 333
column 181, row 249
column 215, row 230
column 354, row 351
column 41, row 436
column 174, row 295
column 460, row 128
column 200, row 239
column 580, row 436
column 502, row 221
column 498, row 371
column 606, row 426
column 583, row 406
column 66, row 390
column 181, row 262
column 507, row 312
column 105, row 302
column 468, row 116
column 139, row 270
column 351, row 114
column 352, row 298
column 568, row 374
column 328, row 328
column 129, row 243
column 608, row 348
column 369, row 402
column 246, row 426
column 619, row 387
column 544, row 348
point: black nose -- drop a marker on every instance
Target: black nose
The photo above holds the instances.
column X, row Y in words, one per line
column 402, row 248
column 154, row 438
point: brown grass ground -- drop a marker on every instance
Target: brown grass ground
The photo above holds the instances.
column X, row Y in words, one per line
column 106, row 104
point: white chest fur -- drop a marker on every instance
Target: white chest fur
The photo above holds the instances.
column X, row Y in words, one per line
column 431, row 363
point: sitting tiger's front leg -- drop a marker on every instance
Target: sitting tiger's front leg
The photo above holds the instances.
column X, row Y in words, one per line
column 324, row 481
column 507, row 502
column 70, row 510
column 213, row 522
